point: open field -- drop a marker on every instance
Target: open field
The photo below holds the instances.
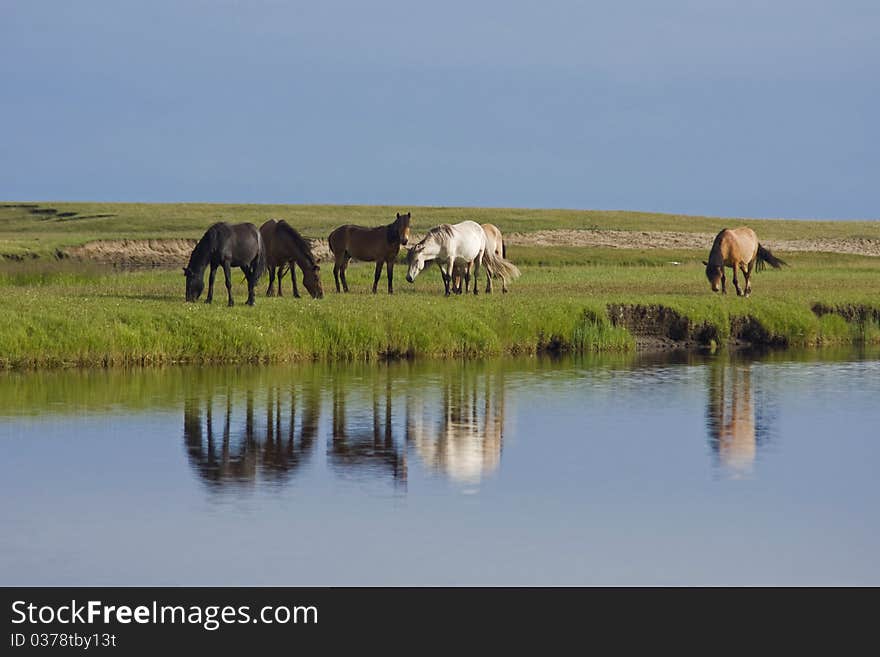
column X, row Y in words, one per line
column 42, row 229
column 75, row 312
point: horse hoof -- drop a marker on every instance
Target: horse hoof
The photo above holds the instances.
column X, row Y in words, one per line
column 207, row 301
column 230, row 304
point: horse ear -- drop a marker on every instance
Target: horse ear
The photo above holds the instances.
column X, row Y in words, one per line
column 705, row 264
column 398, row 215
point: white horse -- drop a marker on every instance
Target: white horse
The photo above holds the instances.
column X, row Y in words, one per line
column 465, row 243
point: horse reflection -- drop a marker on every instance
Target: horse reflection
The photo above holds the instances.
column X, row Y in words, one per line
column 735, row 428
column 269, row 450
column 465, row 438
column 366, row 445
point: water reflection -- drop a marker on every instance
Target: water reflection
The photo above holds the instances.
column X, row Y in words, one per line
column 735, row 427
column 239, row 450
column 365, row 441
column 453, row 422
column 463, row 437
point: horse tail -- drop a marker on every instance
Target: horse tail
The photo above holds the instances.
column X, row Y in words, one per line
column 500, row 266
column 503, row 249
column 764, row 255
column 258, row 264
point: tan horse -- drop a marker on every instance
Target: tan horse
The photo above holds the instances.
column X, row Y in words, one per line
column 737, row 248
column 380, row 245
column 494, row 244
column 285, row 246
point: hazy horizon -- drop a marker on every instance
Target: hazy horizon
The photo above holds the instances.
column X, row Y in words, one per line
column 729, row 109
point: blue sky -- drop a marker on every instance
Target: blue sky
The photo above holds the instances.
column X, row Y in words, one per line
column 732, row 108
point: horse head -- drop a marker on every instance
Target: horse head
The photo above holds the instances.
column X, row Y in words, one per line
column 714, row 273
column 399, row 230
column 415, row 260
column 195, row 284
column 312, row 281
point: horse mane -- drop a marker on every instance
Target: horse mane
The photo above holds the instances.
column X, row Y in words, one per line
column 200, row 255
column 441, row 231
column 298, row 241
column 715, row 257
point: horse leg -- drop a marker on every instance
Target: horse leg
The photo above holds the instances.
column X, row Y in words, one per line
column 280, row 278
column 342, row 272
column 378, row 275
column 477, row 272
column 336, row 268
column 271, row 291
column 293, row 281
column 211, row 277
column 228, row 273
column 450, row 265
column 488, row 279
column 251, row 281
column 467, row 279
column 723, row 281
column 736, row 282
column 389, row 268
column 748, row 275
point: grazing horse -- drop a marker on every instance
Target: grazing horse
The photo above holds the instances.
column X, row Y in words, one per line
column 380, row 245
column 737, row 248
column 465, row 243
column 285, row 246
column 226, row 245
column 494, row 244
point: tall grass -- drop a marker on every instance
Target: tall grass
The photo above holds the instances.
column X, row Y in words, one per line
column 63, row 315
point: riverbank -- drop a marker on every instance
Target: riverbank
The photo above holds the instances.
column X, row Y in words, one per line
column 572, row 299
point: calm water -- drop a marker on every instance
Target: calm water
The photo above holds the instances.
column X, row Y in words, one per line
column 688, row 470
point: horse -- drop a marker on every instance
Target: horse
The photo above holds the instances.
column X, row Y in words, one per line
column 737, row 248
column 462, row 242
column 226, row 245
column 495, row 244
column 380, row 245
column 285, row 246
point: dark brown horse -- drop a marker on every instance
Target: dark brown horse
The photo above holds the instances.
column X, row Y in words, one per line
column 737, row 248
column 285, row 246
column 380, row 245
column 226, row 245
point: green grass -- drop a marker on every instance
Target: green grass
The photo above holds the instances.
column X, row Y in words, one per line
column 40, row 232
column 58, row 314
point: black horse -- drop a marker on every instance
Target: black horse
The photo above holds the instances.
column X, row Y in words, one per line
column 226, row 245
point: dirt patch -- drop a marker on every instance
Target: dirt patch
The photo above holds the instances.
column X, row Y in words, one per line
column 151, row 253
column 144, row 253
column 624, row 239
column 655, row 326
column 854, row 314
column 171, row 252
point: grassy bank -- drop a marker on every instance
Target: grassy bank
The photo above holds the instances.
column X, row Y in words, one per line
column 73, row 314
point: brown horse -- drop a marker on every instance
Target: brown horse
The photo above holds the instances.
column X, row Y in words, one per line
column 494, row 244
column 737, row 248
column 285, row 246
column 380, row 245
